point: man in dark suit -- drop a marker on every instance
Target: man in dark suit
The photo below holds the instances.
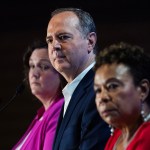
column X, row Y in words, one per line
column 71, row 38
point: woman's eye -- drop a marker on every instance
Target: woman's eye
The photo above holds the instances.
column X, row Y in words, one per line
column 44, row 67
column 97, row 91
column 49, row 41
column 31, row 66
column 112, row 86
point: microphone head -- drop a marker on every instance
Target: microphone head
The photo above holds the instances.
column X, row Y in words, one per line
column 20, row 88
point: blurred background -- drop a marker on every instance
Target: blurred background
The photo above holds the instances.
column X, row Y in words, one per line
column 23, row 21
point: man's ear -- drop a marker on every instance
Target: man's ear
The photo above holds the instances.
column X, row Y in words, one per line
column 145, row 89
column 92, row 39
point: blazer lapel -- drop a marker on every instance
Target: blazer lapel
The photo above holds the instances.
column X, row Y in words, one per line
column 76, row 97
column 58, row 125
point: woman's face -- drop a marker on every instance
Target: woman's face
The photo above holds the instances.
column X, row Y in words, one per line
column 118, row 100
column 43, row 79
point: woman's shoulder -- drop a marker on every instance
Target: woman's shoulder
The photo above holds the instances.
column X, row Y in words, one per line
column 141, row 138
column 52, row 114
column 55, row 106
column 57, row 103
column 144, row 128
column 143, row 131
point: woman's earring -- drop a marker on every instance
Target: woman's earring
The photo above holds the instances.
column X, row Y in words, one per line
column 111, row 130
column 145, row 117
column 142, row 112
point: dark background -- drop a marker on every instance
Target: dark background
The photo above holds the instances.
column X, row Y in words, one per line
column 23, row 21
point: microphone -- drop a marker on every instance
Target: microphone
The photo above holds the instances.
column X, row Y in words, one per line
column 19, row 89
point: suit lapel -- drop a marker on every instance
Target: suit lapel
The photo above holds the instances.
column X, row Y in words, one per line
column 76, row 97
column 58, row 125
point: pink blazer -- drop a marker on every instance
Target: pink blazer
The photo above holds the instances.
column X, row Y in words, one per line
column 42, row 131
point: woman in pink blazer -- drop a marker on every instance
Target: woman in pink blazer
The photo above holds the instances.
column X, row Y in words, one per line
column 45, row 85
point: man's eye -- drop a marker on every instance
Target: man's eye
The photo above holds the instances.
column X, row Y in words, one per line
column 63, row 37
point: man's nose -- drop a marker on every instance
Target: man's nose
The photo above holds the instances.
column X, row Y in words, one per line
column 56, row 45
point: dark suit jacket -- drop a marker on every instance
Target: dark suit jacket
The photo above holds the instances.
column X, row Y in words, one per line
column 82, row 128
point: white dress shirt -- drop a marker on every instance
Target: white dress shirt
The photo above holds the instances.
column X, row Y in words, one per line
column 70, row 87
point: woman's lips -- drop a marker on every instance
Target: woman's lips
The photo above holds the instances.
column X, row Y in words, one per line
column 107, row 112
column 35, row 83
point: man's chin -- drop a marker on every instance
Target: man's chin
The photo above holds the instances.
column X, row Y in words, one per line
column 62, row 68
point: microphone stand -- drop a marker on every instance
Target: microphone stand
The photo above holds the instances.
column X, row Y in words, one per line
column 20, row 88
